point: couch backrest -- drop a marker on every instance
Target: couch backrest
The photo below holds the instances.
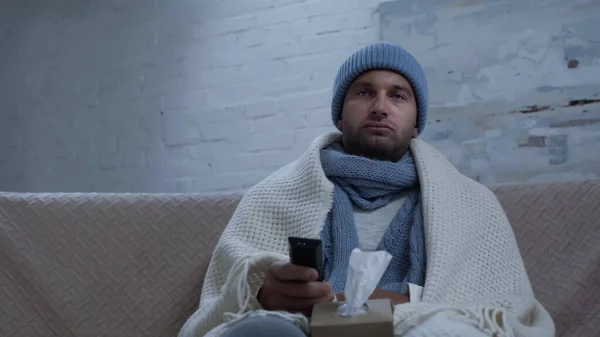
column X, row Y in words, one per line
column 133, row 264
column 557, row 227
column 104, row 264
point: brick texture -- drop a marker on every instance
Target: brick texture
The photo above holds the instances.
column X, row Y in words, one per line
column 167, row 96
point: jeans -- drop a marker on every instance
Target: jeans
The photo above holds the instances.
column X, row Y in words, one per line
column 263, row 327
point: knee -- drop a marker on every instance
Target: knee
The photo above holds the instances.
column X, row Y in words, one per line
column 264, row 327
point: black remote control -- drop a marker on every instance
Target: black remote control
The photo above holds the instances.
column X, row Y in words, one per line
column 307, row 253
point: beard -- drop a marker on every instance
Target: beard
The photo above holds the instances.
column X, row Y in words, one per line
column 377, row 146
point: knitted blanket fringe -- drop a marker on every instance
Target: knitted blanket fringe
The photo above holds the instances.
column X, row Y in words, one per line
column 476, row 283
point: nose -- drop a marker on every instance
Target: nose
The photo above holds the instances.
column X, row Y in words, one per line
column 379, row 109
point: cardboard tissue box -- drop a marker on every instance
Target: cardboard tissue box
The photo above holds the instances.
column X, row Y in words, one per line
column 357, row 316
column 376, row 322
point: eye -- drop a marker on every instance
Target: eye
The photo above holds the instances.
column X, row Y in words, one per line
column 363, row 93
column 399, row 96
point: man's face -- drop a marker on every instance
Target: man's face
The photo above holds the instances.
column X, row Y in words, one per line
column 379, row 116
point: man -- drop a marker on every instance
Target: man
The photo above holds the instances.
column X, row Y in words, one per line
column 374, row 186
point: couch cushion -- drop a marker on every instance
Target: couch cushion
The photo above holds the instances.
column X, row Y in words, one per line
column 133, row 264
column 557, row 227
column 102, row 264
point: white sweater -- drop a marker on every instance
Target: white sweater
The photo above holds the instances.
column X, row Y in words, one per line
column 371, row 225
column 476, row 283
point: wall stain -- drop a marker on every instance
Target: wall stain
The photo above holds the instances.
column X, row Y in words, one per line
column 574, row 123
column 558, row 150
column 532, row 141
column 576, row 102
column 573, row 64
column 534, row 108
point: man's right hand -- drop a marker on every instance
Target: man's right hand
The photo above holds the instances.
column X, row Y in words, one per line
column 292, row 288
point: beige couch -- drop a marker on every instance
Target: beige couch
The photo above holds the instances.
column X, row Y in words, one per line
column 133, row 264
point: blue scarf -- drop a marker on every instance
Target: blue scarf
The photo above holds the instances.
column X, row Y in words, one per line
column 371, row 184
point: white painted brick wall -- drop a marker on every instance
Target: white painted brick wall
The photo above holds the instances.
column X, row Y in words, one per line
column 176, row 96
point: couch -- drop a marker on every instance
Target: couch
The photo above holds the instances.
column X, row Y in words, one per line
column 132, row 264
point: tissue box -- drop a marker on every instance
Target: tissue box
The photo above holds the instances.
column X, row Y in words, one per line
column 377, row 322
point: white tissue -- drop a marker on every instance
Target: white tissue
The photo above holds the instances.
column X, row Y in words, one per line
column 365, row 270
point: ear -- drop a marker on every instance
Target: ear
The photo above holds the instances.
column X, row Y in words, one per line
column 415, row 133
column 340, row 125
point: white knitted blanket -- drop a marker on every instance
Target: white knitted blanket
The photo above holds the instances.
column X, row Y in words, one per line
column 476, row 283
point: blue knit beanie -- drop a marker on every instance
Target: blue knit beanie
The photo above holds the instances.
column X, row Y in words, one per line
column 384, row 56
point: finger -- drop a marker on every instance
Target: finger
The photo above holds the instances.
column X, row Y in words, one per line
column 304, row 290
column 290, row 272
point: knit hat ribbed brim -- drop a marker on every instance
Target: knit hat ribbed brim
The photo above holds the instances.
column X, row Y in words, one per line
column 383, row 56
